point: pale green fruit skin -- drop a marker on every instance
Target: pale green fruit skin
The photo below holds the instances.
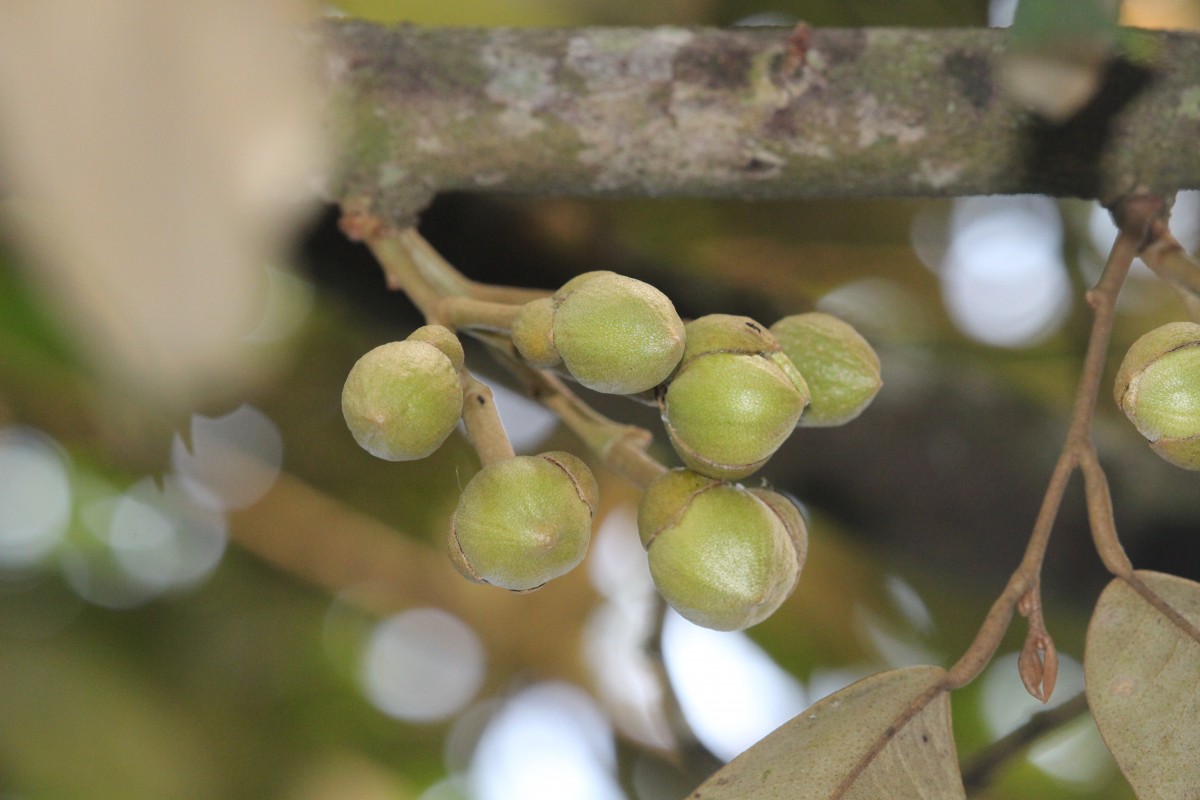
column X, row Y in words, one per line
column 734, row 400
column 666, row 498
column 524, row 521
column 402, row 400
column 1158, row 388
column 727, row 333
column 792, row 519
column 443, row 339
column 841, row 367
column 615, row 334
column 533, row 333
column 725, row 559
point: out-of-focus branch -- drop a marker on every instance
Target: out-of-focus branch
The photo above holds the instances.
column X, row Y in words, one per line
column 757, row 113
column 979, row 770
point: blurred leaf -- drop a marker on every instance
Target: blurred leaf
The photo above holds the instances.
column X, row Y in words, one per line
column 1141, row 666
column 1046, row 22
column 885, row 736
column 1058, row 54
column 159, row 156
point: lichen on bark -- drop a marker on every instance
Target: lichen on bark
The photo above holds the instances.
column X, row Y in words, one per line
column 754, row 113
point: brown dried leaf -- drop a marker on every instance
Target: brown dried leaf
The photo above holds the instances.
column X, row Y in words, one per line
column 885, row 736
column 1142, row 669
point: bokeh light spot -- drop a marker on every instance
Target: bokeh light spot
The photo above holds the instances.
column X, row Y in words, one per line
column 526, row 422
column 1076, row 753
column 35, row 497
column 731, row 692
column 233, row 460
column 161, row 539
column 422, row 665
column 1003, row 279
column 1001, row 13
column 547, row 743
column 617, row 631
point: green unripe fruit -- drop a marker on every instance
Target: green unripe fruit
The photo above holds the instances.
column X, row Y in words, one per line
column 614, row 334
column 524, row 521
column 401, row 400
column 841, row 368
column 734, row 399
column 722, row 556
column 1158, row 388
column 443, row 339
column 533, row 333
column 790, row 516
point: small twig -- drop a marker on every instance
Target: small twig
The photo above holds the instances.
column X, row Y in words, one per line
column 512, row 295
column 485, row 312
column 1024, row 584
column 485, row 431
column 1100, row 517
column 621, row 447
column 978, row 770
column 1167, row 258
column 1172, row 263
column 467, row 312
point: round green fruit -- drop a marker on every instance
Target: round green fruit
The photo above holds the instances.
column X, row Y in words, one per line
column 734, row 399
column 533, row 333
column 402, row 400
column 443, row 339
column 524, row 521
column 614, row 334
column 1158, row 388
column 840, row 366
column 722, row 556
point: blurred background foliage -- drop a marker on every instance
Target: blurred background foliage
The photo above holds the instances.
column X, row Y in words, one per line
column 177, row 620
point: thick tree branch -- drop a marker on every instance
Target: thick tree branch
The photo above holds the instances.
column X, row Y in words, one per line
column 754, row 113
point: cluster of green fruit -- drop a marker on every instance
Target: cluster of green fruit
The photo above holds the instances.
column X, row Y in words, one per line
column 730, row 392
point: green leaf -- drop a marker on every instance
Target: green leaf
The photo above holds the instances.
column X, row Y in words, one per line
column 1141, row 667
column 1057, row 54
column 886, row 736
column 1044, row 23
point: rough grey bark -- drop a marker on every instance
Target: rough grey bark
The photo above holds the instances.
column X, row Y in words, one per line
column 751, row 113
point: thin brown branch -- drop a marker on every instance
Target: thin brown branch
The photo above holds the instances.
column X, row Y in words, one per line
column 1135, row 216
column 1100, row 517
column 1166, row 256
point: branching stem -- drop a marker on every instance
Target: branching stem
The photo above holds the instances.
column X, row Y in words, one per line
column 485, row 431
column 467, row 312
column 445, row 297
column 1024, row 586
